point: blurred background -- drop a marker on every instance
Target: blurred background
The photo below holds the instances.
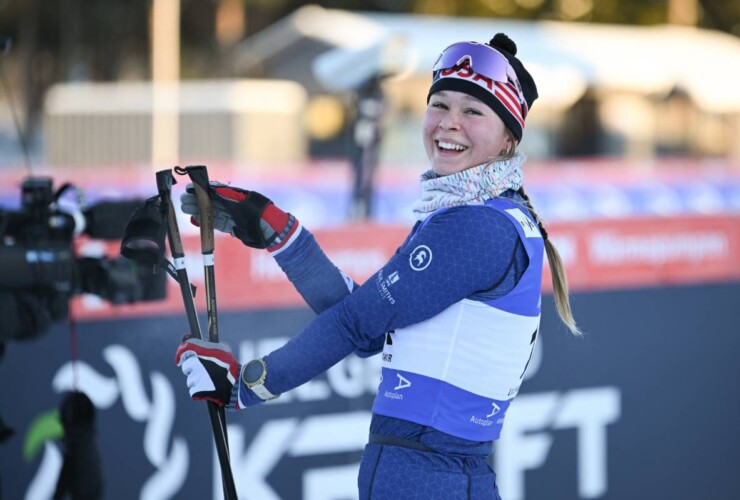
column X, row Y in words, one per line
column 633, row 161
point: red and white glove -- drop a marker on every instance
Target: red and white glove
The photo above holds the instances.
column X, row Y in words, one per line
column 247, row 215
column 212, row 371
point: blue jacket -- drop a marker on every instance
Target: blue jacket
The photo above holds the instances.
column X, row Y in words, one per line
column 474, row 257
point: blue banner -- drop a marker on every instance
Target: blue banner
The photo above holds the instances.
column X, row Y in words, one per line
column 642, row 407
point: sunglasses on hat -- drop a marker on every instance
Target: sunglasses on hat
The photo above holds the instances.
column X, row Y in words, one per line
column 482, row 58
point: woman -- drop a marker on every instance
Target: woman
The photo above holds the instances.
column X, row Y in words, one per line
column 455, row 311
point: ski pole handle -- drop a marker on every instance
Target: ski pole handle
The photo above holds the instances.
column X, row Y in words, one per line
column 199, row 176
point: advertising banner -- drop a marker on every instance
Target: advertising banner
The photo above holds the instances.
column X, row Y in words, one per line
column 642, row 252
column 642, row 407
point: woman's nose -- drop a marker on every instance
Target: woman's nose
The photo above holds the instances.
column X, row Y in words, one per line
column 450, row 121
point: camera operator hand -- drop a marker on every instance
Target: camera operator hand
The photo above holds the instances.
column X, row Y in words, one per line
column 247, row 215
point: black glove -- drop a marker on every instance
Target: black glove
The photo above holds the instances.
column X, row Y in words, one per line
column 212, row 371
column 247, row 215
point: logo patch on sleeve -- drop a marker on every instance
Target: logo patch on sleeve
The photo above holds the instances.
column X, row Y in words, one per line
column 420, row 258
column 530, row 228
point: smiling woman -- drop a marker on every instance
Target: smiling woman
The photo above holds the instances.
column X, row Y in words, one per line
column 455, row 312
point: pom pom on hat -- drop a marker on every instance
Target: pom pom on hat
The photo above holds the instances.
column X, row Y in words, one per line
column 503, row 42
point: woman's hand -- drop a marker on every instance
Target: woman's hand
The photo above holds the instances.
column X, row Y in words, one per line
column 212, row 371
column 247, row 215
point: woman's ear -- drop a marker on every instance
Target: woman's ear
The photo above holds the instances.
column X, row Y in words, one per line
column 508, row 145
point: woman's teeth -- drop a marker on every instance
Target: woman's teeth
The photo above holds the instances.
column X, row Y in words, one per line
column 450, row 146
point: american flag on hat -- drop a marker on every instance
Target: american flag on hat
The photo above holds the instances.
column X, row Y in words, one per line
column 511, row 96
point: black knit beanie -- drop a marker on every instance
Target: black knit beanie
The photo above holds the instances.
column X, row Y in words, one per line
column 496, row 99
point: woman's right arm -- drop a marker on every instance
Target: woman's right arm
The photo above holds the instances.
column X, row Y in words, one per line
column 317, row 279
column 259, row 223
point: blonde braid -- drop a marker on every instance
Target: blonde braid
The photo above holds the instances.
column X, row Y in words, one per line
column 557, row 273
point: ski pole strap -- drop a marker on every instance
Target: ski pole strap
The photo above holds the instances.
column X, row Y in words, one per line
column 386, row 440
column 143, row 237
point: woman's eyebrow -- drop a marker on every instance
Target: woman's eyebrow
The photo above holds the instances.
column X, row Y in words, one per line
column 468, row 97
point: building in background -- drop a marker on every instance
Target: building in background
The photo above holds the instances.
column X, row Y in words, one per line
column 604, row 89
column 233, row 121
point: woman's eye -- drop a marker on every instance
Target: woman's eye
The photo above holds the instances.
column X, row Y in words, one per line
column 440, row 105
column 473, row 111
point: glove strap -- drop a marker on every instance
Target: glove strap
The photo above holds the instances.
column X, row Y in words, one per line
column 234, row 403
column 286, row 235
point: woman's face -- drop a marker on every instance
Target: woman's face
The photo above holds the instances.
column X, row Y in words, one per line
column 461, row 131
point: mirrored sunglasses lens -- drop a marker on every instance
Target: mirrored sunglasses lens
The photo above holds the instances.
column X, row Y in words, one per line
column 483, row 60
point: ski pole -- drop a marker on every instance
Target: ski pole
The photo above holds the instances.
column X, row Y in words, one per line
column 165, row 180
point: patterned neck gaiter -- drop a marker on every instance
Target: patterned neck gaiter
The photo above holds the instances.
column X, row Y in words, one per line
column 472, row 186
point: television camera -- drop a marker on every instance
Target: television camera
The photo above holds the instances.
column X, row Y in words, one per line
column 40, row 270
